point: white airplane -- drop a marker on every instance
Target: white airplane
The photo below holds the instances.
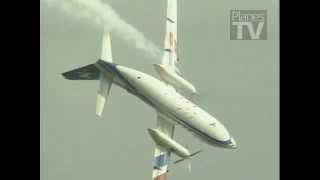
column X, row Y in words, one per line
column 164, row 95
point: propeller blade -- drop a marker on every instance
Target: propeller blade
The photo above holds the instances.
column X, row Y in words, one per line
column 195, row 153
column 191, row 155
column 178, row 161
column 189, row 165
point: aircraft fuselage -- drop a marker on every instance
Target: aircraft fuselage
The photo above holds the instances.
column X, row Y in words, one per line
column 170, row 103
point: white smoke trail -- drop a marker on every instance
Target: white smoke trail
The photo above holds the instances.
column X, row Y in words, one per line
column 102, row 15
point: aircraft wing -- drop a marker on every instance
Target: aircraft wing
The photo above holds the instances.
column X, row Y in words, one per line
column 168, row 69
column 170, row 56
column 162, row 155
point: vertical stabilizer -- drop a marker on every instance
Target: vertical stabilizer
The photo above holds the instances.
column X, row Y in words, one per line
column 106, row 52
column 105, row 80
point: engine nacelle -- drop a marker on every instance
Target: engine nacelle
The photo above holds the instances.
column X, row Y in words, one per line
column 169, row 75
column 167, row 142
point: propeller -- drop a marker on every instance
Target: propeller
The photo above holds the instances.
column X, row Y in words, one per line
column 188, row 158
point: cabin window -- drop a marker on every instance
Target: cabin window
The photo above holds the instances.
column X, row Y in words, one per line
column 138, row 77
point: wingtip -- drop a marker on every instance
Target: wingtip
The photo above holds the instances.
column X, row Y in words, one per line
column 65, row 75
column 99, row 115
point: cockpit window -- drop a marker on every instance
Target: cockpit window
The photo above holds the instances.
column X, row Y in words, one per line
column 213, row 124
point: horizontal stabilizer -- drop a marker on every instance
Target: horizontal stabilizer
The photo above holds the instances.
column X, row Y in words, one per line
column 101, row 100
column 105, row 79
column 103, row 92
column 89, row 72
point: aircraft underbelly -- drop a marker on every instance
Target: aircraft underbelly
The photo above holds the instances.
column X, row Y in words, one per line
column 187, row 114
column 178, row 108
column 166, row 100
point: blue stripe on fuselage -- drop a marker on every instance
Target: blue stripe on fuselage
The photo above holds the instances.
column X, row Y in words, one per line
column 111, row 67
column 199, row 132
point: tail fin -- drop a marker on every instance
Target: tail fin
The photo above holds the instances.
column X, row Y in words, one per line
column 92, row 72
column 106, row 51
column 105, row 80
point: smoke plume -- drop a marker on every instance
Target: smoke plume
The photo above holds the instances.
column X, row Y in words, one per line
column 100, row 14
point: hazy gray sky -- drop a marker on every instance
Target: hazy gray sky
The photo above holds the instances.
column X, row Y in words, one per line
column 237, row 81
